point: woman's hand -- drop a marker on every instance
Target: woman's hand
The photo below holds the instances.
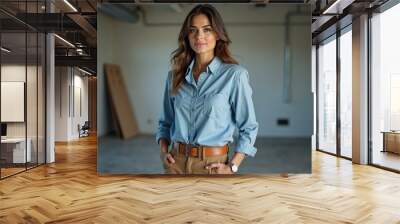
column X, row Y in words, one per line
column 220, row 168
column 166, row 157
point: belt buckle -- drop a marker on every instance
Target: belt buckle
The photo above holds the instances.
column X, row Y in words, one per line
column 188, row 149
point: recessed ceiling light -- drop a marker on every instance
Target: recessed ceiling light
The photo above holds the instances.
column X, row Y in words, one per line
column 70, row 5
column 337, row 7
column 84, row 71
column 5, row 49
column 64, row 40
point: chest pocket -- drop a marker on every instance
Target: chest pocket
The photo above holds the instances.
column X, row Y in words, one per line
column 217, row 106
column 181, row 102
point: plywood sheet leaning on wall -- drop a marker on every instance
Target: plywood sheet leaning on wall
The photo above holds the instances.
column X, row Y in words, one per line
column 120, row 103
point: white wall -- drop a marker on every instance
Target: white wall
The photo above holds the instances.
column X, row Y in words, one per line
column 69, row 79
column 12, row 73
column 61, row 103
column 143, row 52
column 18, row 73
column 79, row 117
column 34, row 124
column 314, row 91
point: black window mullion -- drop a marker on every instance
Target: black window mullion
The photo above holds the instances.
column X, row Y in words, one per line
column 0, row 94
column 338, row 92
column 45, row 94
column 317, row 96
column 26, row 86
column 37, row 90
column 369, row 91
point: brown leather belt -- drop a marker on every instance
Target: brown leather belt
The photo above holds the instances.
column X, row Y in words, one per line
column 200, row 151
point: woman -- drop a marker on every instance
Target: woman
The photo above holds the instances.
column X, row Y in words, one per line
column 207, row 95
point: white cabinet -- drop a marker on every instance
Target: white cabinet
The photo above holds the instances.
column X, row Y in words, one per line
column 18, row 149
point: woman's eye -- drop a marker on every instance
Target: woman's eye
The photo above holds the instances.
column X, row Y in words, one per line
column 192, row 30
column 207, row 30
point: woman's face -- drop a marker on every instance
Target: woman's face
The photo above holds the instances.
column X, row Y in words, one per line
column 202, row 37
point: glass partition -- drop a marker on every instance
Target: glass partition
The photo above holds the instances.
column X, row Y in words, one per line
column 31, row 100
column 346, row 93
column 327, row 95
column 14, row 153
column 22, row 88
column 41, row 91
column 385, row 89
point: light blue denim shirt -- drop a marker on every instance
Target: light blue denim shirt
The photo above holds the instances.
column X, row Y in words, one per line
column 207, row 112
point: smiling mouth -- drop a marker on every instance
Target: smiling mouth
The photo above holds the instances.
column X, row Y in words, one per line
column 200, row 45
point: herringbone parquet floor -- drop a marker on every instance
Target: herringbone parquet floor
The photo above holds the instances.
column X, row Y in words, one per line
column 70, row 191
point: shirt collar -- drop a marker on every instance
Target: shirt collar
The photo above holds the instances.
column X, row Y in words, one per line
column 211, row 68
column 214, row 65
column 190, row 67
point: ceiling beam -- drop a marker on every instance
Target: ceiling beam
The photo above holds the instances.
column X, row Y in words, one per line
column 84, row 24
column 82, row 61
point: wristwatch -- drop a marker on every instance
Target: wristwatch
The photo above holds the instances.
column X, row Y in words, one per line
column 234, row 167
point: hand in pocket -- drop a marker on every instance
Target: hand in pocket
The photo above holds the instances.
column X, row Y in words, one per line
column 167, row 158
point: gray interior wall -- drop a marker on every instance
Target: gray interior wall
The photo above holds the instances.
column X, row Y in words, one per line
column 143, row 52
column 105, row 42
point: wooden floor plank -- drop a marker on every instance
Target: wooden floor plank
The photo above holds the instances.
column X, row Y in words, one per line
column 70, row 191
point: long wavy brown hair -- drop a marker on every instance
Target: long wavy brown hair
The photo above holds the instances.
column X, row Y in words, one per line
column 182, row 56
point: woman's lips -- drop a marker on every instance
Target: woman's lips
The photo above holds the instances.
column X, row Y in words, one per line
column 200, row 44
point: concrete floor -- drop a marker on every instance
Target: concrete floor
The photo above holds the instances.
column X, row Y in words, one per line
column 140, row 155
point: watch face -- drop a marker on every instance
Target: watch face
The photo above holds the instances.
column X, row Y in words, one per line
column 234, row 168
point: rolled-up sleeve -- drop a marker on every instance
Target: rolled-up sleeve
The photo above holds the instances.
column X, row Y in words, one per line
column 166, row 117
column 244, row 115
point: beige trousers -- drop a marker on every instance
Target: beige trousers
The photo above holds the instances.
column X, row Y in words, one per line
column 192, row 165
